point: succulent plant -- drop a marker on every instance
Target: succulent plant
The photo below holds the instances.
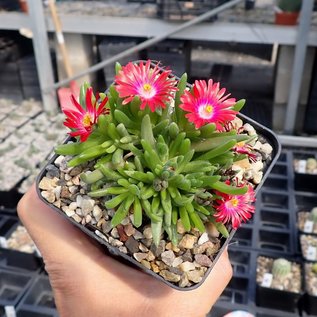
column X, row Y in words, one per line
column 281, row 268
column 290, row 5
column 313, row 214
column 159, row 162
column 311, row 164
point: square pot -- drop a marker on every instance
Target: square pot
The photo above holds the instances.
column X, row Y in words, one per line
column 12, row 286
column 276, row 298
column 102, row 239
column 286, row 18
column 308, row 245
column 274, row 240
column 305, row 178
column 275, row 219
column 19, row 261
column 310, row 300
column 304, row 223
column 39, row 296
column 18, row 240
column 9, row 201
column 22, row 312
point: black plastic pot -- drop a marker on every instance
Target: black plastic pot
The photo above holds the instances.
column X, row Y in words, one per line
column 22, row 312
column 304, row 181
column 9, row 201
column 275, row 240
column 6, row 225
column 275, row 199
column 236, row 291
column 249, row 4
column 311, row 253
column 274, row 219
column 39, row 299
column 306, row 229
column 12, row 287
column 278, row 299
column 267, row 134
column 309, row 302
column 19, row 261
column 277, row 182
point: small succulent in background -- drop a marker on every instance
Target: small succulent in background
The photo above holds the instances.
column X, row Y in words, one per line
column 311, row 164
column 281, row 268
column 313, row 214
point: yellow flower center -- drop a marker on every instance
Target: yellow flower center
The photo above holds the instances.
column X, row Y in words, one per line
column 147, row 87
column 86, row 120
column 234, row 202
column 240, row 144
column 209, row 108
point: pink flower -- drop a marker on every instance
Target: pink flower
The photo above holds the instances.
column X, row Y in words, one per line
column 235, row 209
column 152, row 85
column 208, row 104
column 80, row 120
column 244, row 148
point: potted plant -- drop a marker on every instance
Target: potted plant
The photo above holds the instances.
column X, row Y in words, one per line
column 310, row 302
column 278, row 278
column 307, row 221
column 308, row 245
column 160, row 172
column 287, row 12
column 305, row 171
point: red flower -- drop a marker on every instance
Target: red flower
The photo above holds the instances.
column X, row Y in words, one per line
column 243, row 148
column 208, row 104
column 81, row 120
column 152, row 85
column 235, row 208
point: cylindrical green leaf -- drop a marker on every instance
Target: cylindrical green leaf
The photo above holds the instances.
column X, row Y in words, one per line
column 184, row 218
column 114, row 202
column 228, row 189
column 137, row 212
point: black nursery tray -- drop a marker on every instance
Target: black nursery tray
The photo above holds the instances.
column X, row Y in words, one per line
column 12, row 287
column 262, row 131
column 38, row 300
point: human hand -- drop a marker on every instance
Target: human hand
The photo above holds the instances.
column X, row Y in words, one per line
column 87, row 282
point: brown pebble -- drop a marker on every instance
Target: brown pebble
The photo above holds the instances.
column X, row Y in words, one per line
column 203, row 260
column 139, row 256
column 122, row 235
column 187, row 241
column 169, row 276
column 132, row 245
column 129, row 229
column 65, row 192
column 154, row 267
column 146, row 264
column 75, row 171
column 194, row 276
column 150, row 256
